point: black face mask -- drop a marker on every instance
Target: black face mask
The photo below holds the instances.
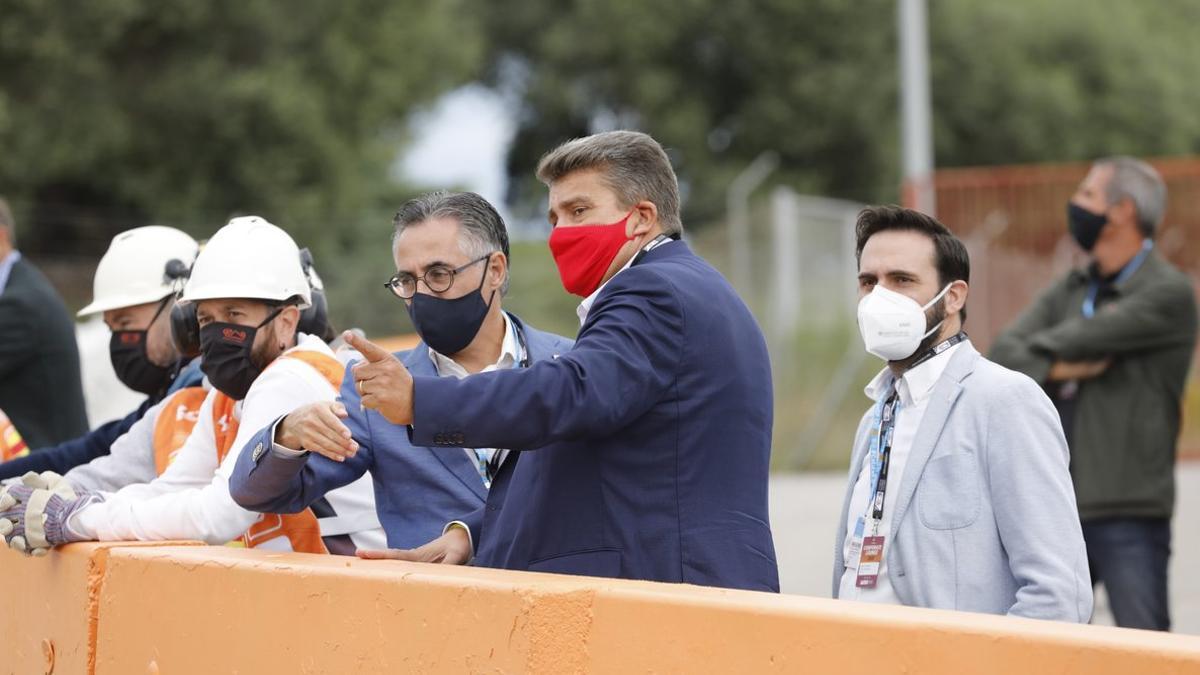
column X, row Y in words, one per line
column 448, row 326
column 1085, row 226
column 127, row 350
column 226, row 356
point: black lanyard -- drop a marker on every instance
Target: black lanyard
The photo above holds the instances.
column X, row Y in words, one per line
column 654, row 243
column 939, row 348
column 888, row 422
column 886, row 426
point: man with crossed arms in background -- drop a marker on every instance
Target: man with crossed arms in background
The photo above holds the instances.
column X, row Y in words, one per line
column 1112, row 343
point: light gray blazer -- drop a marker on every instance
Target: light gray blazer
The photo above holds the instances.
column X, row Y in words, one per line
column 985, row 516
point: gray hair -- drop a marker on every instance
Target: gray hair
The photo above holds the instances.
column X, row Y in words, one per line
column 633, row 164
column 481, row 229
column 1138, row 182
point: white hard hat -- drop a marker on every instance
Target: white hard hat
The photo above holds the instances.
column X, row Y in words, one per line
column 134, row 269
column 248, row 258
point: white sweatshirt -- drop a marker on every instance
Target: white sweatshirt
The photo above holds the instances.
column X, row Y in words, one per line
column 191, row 499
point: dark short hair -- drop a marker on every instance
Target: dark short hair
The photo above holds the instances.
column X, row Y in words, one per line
column 950, row 255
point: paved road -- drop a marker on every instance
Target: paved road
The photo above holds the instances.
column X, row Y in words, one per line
column 804, row 512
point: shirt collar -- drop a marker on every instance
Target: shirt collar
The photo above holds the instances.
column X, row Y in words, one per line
column 916, row 384
column 585, row 307
column 6, row 267
column 510, row 353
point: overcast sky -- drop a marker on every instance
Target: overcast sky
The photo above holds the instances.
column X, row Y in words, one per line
column 461, row 142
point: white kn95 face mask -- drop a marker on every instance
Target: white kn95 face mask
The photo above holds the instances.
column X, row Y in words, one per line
column 892, row 324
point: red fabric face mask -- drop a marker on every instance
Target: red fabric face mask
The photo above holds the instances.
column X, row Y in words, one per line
column 584, row 252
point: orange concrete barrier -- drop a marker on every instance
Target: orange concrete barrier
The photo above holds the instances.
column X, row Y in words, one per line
column 206, row 610
column 49, row 616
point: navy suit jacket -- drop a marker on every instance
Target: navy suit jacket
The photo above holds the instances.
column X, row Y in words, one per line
column 417, row 490
column 40, row 388
column 645, row 448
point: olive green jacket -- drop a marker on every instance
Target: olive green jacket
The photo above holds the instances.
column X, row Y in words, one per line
column 1125, row 421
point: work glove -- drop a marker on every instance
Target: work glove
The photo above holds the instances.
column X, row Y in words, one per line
column 48, row 480
column 35, row 514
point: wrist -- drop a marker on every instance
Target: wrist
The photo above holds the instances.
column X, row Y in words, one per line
column 283, row 437
column 463, row 537
column 72, row 531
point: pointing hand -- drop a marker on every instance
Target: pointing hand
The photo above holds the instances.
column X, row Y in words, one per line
column 384, row 384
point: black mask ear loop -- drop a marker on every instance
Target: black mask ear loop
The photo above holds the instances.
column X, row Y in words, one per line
column 177, row 366
column 270, row 317
column 487, row 262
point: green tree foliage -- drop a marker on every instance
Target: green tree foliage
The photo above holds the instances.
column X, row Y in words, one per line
column 716, row 82
column 116, row 113
column 1029, row 81
column 816, row 81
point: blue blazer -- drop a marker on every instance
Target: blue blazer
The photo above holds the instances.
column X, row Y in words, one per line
column 644, row 449
column 417, row 490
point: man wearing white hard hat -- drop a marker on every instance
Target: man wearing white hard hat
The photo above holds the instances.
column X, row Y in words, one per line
column 243, row 302
column 134, row 288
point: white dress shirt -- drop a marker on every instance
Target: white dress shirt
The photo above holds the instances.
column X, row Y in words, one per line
column 914, row 388
column 510, row 355
column 191, row 499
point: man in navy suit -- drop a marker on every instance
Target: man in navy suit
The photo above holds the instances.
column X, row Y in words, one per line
column 451, row 254
column 646, row 446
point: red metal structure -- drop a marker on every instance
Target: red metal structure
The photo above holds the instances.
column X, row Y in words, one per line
column 1013, row 219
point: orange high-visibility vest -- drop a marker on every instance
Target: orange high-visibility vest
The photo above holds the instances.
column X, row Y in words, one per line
column 12, row 445
column 301, row 529
column 175, row 422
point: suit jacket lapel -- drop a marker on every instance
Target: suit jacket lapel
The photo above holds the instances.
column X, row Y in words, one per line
column 456, row 462
column 941, row 402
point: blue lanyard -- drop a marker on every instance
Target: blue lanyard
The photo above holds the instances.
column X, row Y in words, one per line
column 883, row 427
column 1089, row 302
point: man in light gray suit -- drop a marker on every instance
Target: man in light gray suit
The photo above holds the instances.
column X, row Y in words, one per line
column 959, row 495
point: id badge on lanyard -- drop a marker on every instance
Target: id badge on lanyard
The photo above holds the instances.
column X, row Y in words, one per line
column 865, row 554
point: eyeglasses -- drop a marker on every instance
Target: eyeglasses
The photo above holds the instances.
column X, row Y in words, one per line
column 438, row 279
